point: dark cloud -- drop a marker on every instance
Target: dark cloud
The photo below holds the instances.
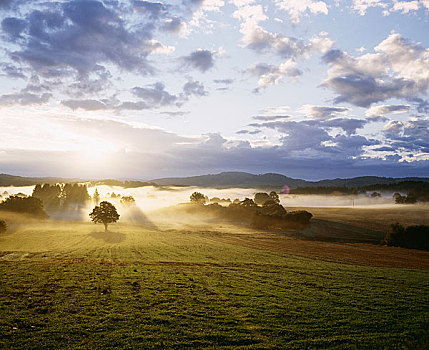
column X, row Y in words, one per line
column 147, row 97
column 422, row 105
column 6, row 3
column 409, row 136
column 24, row 99
column 179, row 158
column 224, row 81
column 79, row 35
column 173, row 25
column 201, row 59
column 193, row 87
column 13, row 27
column 377, row 118
column 152, row 9
column 349, row 125
column 248, row 132
column 155, row 95
column 313, row 137
column 175, row 113
column 12, row 71
column 384, row 149
column 89, row 105
column 271, row 117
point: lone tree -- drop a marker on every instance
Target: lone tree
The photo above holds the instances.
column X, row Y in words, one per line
column 96, row 197
column 105, row 213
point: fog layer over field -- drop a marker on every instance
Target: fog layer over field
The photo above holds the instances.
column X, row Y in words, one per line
column 149, row 198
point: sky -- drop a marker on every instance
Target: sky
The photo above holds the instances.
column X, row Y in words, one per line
column 148, row 89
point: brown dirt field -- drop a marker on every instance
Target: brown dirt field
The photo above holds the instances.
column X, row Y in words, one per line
column 349, row 253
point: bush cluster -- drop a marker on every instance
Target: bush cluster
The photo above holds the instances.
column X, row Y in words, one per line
column 415, row 237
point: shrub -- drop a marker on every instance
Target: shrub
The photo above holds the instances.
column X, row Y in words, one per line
column 3, row 226
column 299, row 216
column 414, row 237
column 271, row 208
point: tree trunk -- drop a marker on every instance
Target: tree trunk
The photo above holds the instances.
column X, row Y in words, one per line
column 105, row 227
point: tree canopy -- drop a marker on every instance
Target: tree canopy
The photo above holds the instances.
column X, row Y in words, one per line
column 198, row 198
column 105, row 213
column 24, row 204
column 128, row 201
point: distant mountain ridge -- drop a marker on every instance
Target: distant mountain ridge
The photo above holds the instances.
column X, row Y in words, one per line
column 242, row 179
column 221, row 180
column 14, row 180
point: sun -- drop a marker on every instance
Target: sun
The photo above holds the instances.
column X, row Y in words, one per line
column 96, row 150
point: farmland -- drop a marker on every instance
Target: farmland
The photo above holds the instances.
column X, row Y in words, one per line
column 71, row 285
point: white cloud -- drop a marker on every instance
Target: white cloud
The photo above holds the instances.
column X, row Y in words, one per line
column 274, row 75
column 387, row 109
column 362, row 5
column 298, row 8
column 398, row 69
column 321, row 112
column 405, row 6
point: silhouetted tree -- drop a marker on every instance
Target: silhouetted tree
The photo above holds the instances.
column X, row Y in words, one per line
column 75, row 194
column 27, row 205
column 198, row 198
column 375, row 194
column 3, row 226
column 214, row 200
column 49, row 195
column 104, row 214
column 261, row 198
column 96, row 197
column 247, row 203
column 128, row 201
column 398, row 198
column 275, row 197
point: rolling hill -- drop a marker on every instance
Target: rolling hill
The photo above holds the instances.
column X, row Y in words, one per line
column 242, row 179
column 221, row 180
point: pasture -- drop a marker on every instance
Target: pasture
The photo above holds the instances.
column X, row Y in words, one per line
column 209, row 285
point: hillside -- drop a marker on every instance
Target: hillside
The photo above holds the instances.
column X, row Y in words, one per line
column 13, row 180
column 221, row 180
column 241, row 179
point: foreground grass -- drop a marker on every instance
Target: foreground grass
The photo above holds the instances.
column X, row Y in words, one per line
column 71, row 286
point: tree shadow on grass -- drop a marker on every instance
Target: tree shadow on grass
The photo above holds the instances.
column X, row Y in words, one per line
column 109, row 236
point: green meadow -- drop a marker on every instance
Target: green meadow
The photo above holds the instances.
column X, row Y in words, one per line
column 70, row 285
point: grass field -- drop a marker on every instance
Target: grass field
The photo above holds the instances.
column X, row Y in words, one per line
column 71, row 285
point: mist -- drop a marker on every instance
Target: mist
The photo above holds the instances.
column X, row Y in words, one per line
column 152, row 202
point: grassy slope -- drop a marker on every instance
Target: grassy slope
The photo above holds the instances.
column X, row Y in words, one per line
column 73, row 286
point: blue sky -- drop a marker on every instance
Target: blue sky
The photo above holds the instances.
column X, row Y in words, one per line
column 145, row 89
